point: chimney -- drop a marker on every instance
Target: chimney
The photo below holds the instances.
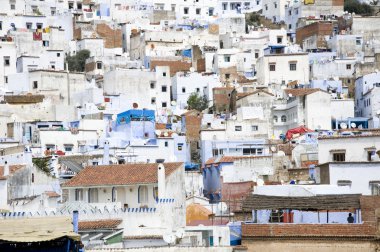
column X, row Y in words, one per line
column 28, row 156
column 106, row 152
column 161, row 181
column 6, row 169
column 75, row 221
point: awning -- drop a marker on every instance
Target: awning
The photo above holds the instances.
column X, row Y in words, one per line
column 37, row 229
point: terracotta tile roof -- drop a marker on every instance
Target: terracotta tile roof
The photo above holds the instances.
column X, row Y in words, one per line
column 12, row 170
column 99, row 224
column 231, row 159
column 217, row 222
column 302, row 91
column 125, row 174
column 160, row 126
column 242, row 95
column 52, row 194
column 235, row 193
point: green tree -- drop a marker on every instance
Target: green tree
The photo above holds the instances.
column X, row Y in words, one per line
column 354, row 6
column 197, row 102
column 77, row 62
column 42, row 164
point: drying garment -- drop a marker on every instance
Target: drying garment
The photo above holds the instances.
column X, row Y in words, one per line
column 37, row 36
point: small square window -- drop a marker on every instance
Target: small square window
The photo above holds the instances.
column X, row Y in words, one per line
column 164, row 89
column 238, row 128
column 185, row 10
column 13, row 7
column 179, row 147
column 68, row 148
column 152, row 85
column 98, row 65
column 39, row 26
column 293, row 66
column 256, row 55
column 197, row 90
column 339, row 157
column 7, row 61
column 272, row 67
column 1, row 25
column 183, row 90
column 198, row 11
column 58, row 55
column 348, row 66
column 255, row 128
column 153, row 100
column 166, row 143
column 29, row 25
column 227, row 76
column 164, row 74
column 164, row 104
column 227, row 58
column 79, row 6
column 279, row 40
column 35, row 84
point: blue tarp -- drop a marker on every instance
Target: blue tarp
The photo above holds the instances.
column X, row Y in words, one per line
column 186, row 53
column 135, row 115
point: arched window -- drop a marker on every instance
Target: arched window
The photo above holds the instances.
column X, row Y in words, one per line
column 275, row 118
column 283, row 118
column 143, row 194
column 93, row 195
column 114, row 194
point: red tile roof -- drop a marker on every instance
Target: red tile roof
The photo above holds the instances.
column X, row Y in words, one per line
column 52, row 194
column 125, row 174
column 216, row 222
column 99, row 224
column 12, row 170
column 302, row 91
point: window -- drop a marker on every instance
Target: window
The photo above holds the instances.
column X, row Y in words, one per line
column 13, row 7
column 179, row 146
column 266, row 7
column 164, row 104
column 275, row 119
column 143, row 194
column 39, row 26
column 52, row 11
column 227, row 58
column 348, row 66
column 255, row 128
column 166, row 144
column 164, row 74
column 58, row 55
column 45, row 43
column 358, row 41
column 114, row 194
column 7, row 61
column 224, row 6
column 6, row 79
column 370, row 153
column 275, row 5
column 93, row 195
column 238, row 128
column 71, row 5
column 98, row 65
column 183, row 90
column 1, row 25
column 198, row 11
column 164, row 89
column 152, row 85
column 79, row 6
column 68, row 148
column 78, row 194
column 173, row 7
column 256, row 55
column 375, row 187
column 290, row 26
column 186, row 11
column 153, row 100
column 283, row 118
column 227, row 76
column 279, row 40
column 290, row 12
column 292, row 66
column 272, row 67
column 211, row 11
column 339, row 157
column 344, row 183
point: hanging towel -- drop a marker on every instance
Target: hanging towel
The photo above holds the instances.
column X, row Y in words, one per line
column 37, row 36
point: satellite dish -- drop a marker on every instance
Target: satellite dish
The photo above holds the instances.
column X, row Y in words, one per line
column 290, row 95
column 192, row 69
column 169, row 238
column 343, row 125
column 180, row 233
column 166, row 134
column 273, row 149
column 158, row 132
column 353, row 125
column 173, row 103
column 233, row 117
column 114, row 117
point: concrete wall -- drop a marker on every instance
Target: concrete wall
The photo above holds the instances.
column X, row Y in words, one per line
column 172, row 249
